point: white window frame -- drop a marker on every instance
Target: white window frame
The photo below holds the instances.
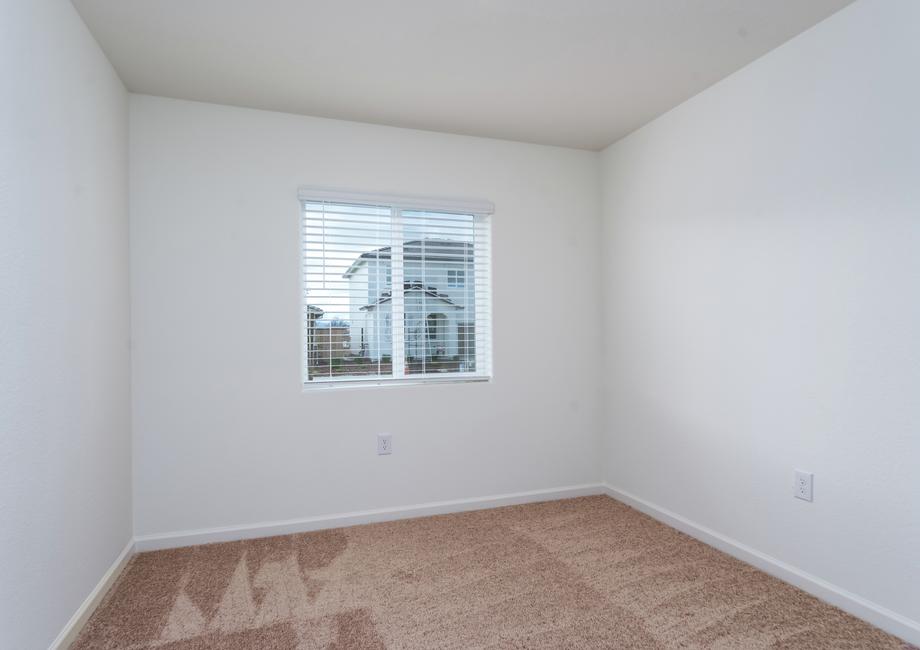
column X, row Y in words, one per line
column 481, row 210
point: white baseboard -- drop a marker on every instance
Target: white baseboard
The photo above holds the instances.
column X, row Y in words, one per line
column 890, row 621
column 70, row 632
column 268, row 529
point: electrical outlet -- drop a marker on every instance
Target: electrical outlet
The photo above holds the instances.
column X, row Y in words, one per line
column 384, row 444
column 804, row 485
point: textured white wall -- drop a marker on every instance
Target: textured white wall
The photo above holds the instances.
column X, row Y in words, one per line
column 65, row 460
column 762, row 270
column 223, row 434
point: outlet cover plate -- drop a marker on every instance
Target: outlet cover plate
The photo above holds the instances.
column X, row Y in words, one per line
column 384, row 444
column 804, row 485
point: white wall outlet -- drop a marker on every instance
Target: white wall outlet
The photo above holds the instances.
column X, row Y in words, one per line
column 384, row 444
column 804, row 485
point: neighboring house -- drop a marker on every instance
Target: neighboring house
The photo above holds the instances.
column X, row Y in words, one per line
column 332, row 340
column 313, row 314
column 439, row 304
column 326, row 339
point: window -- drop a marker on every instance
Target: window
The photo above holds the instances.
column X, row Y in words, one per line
column 396, row 289
column 456, row 278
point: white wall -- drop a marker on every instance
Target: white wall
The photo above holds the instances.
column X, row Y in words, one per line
column 762, row 269
column 225, row 436
column 65, row 459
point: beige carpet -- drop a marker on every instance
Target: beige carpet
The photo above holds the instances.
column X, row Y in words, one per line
column 580, row 573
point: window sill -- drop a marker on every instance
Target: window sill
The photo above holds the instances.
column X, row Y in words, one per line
column 343, row 384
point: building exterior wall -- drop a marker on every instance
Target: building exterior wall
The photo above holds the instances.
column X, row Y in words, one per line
column 373, row 278
column 359, row 290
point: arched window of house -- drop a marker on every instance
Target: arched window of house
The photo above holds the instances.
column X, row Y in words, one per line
column 435, row 335
column 436, row 327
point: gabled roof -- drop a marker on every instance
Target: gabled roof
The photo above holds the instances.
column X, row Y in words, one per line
column 413, row 287
column 412, row 250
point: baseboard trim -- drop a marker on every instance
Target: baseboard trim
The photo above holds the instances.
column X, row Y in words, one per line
column 70, row 631
column 268, row 529
column 881, row 617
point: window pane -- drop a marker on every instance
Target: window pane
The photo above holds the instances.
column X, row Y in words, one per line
column 439, row 249
column 348, row 302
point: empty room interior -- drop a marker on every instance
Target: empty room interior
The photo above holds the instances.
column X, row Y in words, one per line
column 429, row 324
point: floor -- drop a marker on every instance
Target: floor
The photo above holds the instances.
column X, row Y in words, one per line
column 579, row 573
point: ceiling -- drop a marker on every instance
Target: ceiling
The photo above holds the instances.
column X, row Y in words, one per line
column 577, row 73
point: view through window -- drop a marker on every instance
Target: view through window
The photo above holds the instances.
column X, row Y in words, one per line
column 394, row 293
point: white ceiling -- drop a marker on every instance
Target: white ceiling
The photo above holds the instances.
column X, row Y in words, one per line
column 578, row 73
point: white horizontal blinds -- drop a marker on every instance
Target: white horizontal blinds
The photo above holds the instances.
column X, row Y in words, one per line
column 395, row 293
column 446, row 266
column 346, row 257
